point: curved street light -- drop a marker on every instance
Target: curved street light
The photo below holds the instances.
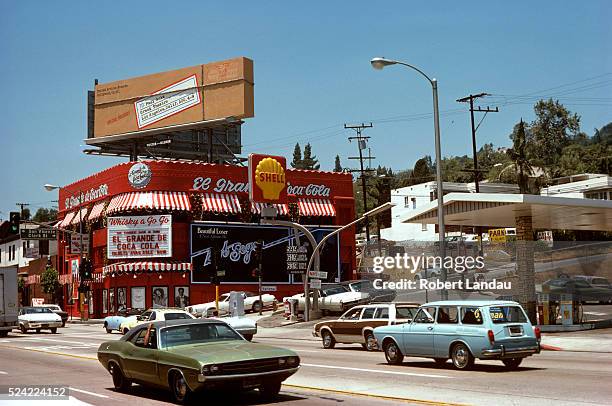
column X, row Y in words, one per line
column 381, row 62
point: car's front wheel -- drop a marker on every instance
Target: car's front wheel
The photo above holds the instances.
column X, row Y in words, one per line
column 23, row 329
column 393, row 354
column 512, row 363
column 180, row 389
column 270, row 390
column 462, row 357
column 120, row 382
column 257, row 307
column 328, row 340
column 54, row 330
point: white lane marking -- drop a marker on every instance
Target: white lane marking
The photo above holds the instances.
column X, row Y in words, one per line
column 60, row 341
column 377, row 371
column 3, row 373
column 87, row 392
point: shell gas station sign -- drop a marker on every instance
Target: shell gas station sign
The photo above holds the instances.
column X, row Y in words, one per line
column 267, row 177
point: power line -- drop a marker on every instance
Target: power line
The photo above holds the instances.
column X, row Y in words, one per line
column 361, row 145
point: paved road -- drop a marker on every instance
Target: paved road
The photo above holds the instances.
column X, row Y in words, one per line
column 327, row 376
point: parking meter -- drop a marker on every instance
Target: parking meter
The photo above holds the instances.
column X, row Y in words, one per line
column 236, row 304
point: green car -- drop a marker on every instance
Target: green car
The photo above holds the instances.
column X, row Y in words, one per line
column 190, row 355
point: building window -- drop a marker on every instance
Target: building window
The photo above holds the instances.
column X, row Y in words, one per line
column 605, row 195
column 413, row 199
column 406, row 201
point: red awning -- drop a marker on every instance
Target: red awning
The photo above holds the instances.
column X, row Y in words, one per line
column 149, row 200
column 96, row 211
column 79, row 216
column 131, row 267
column 66, row 221
column 282, row 209
column 221, row 203
column 316, row 207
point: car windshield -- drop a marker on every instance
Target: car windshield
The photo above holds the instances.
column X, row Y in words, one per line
column 581, row 284
column 405, row 312
column 360, row 286
column 176, row 316
column 333, row 291
column 507, row 314
column 197, row 334
column 34, row 310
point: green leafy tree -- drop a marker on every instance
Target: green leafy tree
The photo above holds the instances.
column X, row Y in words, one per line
column 309, row 161
column 297, row 157
column 337, row 165
column 44, row 215
column 49, row 282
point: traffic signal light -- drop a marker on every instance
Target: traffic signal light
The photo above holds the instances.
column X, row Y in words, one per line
column 14, row 220
column 257, row 253
column 85, row 269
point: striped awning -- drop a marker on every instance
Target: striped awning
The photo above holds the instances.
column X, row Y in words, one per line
column 78, row 216
column 96, row 211
column 149, row 200
column 221, row 203
column 282, row 209
column 316, row 207
column 131, row 267
column 67, row 219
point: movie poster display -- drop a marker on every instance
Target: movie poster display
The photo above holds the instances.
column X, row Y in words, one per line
column 230, row 248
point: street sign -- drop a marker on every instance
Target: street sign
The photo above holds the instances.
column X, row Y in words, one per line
column 38, row 301
column 75, row 244
column 315, row 283
column 38, row 234
column 268, row 288
column 220, row 273
column 317, row 274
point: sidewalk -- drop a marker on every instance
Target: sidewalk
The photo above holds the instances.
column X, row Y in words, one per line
column 581, row 341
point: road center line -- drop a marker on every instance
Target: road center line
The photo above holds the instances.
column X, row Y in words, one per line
column 377, row 371
column 3, row 373
column 87, row 392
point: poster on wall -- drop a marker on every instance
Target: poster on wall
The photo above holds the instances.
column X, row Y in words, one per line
column 138, row 297
column 232, row 246
column 139, row 236
column 121, row 299
column 160, row 296
column 111, row 299
column 181, row 296
column 104, row 301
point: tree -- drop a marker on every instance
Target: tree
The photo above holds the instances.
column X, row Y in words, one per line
column 310, row 161
column 44, row 215
column 518, row 155
column 25, row 214
column 297, row 162
column 554, row 128
column 49, row 282
column 337, row 166
column 423, row 171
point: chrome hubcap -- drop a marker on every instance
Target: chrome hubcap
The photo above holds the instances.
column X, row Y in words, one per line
column 371, row 343
column 392, row 352
column 327, row 339
column 461, row 357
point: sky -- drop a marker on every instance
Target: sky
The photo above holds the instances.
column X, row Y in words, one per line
column 312, row 73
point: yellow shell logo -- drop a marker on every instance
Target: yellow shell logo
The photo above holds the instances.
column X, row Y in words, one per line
column 270, row 178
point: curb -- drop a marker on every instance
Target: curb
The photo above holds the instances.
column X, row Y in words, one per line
column 546, row 347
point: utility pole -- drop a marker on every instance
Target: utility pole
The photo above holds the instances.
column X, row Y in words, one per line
column 21, row 206
column 476, row 171
column 361, row 144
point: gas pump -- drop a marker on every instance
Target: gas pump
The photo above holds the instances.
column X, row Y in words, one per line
column 566, row 308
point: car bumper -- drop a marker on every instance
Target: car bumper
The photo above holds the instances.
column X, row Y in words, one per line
column 49, row 324
column 502, row 352
column 279, row 374
column 244, row 331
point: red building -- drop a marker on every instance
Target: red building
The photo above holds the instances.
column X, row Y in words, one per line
column 172, row 225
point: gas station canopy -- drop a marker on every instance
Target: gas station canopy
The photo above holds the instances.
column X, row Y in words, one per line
column 501, row 210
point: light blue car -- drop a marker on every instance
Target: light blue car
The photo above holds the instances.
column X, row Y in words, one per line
column 112, row 323
column 462, row 331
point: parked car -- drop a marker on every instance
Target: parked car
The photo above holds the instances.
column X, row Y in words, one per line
column 190, row 355
column 427, row 273
column 367, row 286
column 333, row 298
column 112, row 323
column 244, row 325
column 581, row 290
column 251, row 303
column 57, row 310
column 595, row 281
column 462, row 331
column 356, row 326
column 38, row 318
column 154, row 315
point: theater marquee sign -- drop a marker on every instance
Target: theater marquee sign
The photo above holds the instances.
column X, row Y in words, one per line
column 139, row 236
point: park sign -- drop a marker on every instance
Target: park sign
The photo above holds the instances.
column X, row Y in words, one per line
column 267, row 179
column 38, row 234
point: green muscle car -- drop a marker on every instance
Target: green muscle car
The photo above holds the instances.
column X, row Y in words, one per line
column 190, row 355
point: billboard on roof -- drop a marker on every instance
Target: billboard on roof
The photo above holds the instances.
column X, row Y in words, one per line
column 205, row 92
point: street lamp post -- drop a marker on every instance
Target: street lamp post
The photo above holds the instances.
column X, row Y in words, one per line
column 380, row 63
column 50, row 188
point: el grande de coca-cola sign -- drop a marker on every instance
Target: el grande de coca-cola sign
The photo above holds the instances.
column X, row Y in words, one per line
column 223, row 185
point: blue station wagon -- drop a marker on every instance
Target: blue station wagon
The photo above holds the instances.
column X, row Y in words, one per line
column 462, row 331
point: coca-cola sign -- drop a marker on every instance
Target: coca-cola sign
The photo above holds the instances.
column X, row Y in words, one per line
column 223, row 185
